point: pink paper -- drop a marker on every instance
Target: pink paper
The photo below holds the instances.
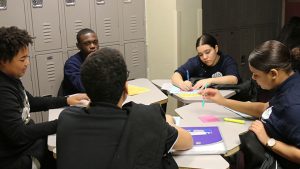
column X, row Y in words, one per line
column 208, row 118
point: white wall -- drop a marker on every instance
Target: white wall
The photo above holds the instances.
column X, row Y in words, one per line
column 172, row 27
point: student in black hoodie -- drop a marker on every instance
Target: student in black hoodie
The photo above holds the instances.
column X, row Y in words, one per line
column 23, row 144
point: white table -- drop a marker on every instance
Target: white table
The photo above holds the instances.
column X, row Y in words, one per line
column 230, row 131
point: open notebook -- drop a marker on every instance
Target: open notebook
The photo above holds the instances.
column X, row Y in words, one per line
column 207, row 140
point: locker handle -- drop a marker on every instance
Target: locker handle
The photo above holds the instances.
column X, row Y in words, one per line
column 37, row 3
column 3, row 5
column 100, row 2
column 127, row 1
column 70, row 2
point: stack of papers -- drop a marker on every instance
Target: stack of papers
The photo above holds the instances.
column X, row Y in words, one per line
column 134, row 90
column 176, row 90
column 207, row 140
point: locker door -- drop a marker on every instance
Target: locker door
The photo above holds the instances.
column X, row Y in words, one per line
column 133, row 19
column 12, row 13
column 46, row 29
column 247, row 13
column 221, row 37
column 50, row 73
column 107, row 20
column 233, row 45
column 113, row 46
column 208, row 15
column 135, row 59
column 247, row 44
column 77, row 16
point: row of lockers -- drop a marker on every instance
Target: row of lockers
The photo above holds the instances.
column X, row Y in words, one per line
column 240, row 42
column 240, row 25
column 113, row 20
column 239, row 13
column 55, row 23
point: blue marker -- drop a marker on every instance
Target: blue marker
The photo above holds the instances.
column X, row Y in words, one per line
column 203, row 101
column 187, row 75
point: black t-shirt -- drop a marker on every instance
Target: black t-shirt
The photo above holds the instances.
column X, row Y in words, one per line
column 99, row 128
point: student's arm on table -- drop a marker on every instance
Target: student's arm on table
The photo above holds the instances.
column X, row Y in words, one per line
column 185, row 140
column 229, row 79
column 178, row 81
column 250, row 108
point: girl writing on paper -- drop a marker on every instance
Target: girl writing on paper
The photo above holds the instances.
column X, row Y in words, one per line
column 210, row 65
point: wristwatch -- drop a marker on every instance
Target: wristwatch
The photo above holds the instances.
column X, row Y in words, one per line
column 271, row 143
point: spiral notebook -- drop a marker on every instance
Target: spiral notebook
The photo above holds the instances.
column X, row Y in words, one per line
column 207, row 140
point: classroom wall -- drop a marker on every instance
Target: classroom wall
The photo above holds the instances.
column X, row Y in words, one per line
column 172, row 27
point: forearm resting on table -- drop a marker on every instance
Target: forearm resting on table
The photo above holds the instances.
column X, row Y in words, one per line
column 229, row 79
column 185, row 140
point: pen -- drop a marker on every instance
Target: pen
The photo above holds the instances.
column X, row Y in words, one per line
column 234, row 120
column 203, row 101
column 187, row 75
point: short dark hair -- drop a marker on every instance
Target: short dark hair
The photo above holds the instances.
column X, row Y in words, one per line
column 104, row 74
column 12, row 39
column 269, row 55
column 83, row 32
column 207, row 39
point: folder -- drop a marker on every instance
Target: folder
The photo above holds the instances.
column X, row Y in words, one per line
column 207, row 140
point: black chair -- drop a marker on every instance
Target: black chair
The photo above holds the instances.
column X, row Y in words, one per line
column 61, row 92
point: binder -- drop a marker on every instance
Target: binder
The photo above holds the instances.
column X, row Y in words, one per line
column 207, row 140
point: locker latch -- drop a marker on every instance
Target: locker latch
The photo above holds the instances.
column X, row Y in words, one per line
column 37, row 3
column 100, row 2
column 70, row 2
column 3, row 4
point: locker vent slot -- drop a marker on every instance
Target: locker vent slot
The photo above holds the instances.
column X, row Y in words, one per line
column 133, row 24
column 51, row 71
column 3, row 4
column 78, row 25
column 47, row 30
column 135, row 57
column 107, row 27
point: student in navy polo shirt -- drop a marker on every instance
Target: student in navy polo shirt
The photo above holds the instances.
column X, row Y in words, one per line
column 279, row 128
column 87, row 42
column 210, row 64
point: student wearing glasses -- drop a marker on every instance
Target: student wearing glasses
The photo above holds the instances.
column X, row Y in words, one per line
column 87, row 42
column 279, row 127
column 210, row 65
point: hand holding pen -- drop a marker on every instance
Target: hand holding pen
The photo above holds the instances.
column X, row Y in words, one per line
column 213, row 95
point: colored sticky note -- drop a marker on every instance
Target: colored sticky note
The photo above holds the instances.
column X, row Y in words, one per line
column 209, row 118
column 134, row 90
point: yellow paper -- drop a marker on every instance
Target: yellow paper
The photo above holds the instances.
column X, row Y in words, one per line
column 189, row 94
column 134, row 90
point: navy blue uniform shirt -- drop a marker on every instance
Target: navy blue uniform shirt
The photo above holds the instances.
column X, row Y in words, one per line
column 196, row 68
column 282, row 118
column 72, row 82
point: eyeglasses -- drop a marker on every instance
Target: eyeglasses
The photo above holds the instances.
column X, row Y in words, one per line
column 87, row 43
